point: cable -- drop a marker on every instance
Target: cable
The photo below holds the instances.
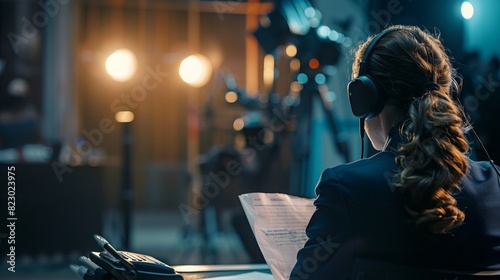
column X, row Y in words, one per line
column 362, row 135
column 485, row 152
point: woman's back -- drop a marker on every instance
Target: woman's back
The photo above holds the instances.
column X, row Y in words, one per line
column 364, row 217
column 421, row 201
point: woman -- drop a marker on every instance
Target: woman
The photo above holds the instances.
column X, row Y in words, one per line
column 419, row 201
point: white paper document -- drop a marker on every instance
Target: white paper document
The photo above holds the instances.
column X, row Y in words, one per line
column 278, row 222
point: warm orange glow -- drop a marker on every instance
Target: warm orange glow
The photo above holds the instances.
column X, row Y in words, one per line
column 268, row 71
column 195, row 70
column 231, row 97
column 121, row 65
column 238, row 124
column 295, row 65
column 313, row 63
column 295, row 86
column 124, row 116
column 291, row 50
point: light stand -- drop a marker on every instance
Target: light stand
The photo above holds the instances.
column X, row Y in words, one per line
column 121, row 66
column 127, row 193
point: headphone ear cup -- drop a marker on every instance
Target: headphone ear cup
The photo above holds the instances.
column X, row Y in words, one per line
column 365, row 99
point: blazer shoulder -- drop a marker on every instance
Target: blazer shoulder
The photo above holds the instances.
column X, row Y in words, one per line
column 382, row 160
column 358, row 174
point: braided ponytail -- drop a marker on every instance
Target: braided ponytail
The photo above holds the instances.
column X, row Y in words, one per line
column 432, row 162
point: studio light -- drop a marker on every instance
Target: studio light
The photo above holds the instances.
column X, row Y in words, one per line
column 121, row 65
column 320, row 78
column 467, row 10
column 302, row 78
column 291, row 50
column 231, row 97
column 295, row 86
column 323, row 31
column 238, row 124
column 268, row 72
column 313, row 63
column 127, row 191
column 295, row 65
column 124, row 116
column 195, row 70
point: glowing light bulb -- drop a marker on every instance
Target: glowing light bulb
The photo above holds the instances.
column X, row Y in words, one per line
column 195, row 70
column 467, row 10
column 124, row 116
column 121, row 65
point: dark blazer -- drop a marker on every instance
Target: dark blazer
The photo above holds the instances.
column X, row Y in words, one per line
column 360, row 215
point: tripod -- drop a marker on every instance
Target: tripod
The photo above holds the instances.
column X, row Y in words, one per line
column 300, row 173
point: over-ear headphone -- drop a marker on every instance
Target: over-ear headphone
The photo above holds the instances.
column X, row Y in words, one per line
column 366, row 99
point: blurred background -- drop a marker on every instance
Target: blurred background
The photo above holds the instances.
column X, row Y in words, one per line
column 143, row 120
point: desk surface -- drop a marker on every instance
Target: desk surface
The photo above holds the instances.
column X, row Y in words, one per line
column 194, row 272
